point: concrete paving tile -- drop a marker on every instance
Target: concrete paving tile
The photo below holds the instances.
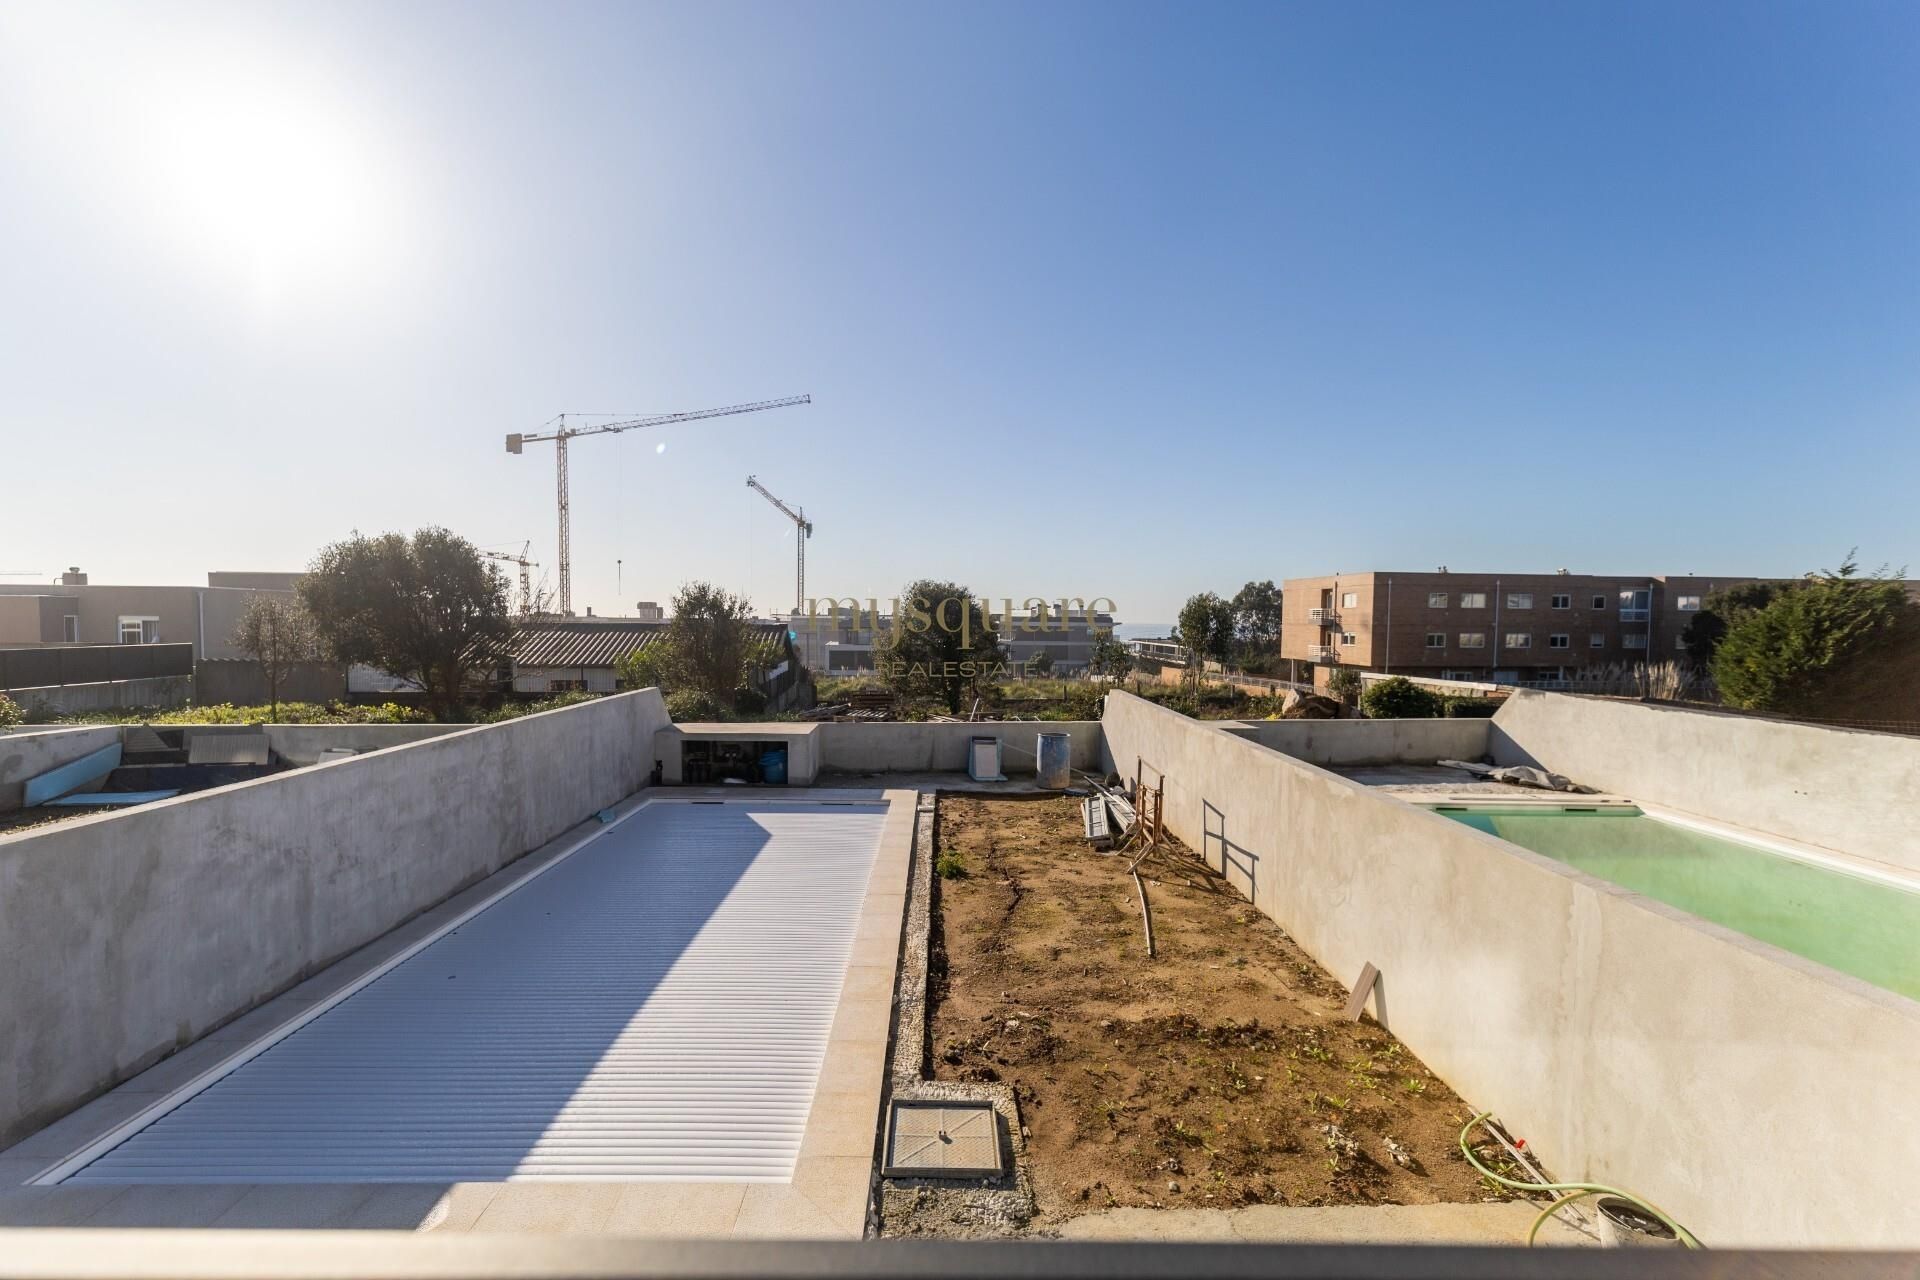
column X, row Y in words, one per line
column 841, row 1186
column 165, row 1206
column 842, row 1124
column 550, row 1208
column 866, row 1018
column 460, row 1206
column 53, row 1206
column 776, row 1211
column 397, row 1206
column 880, row 949
column 676, row 1210
column 868, row 980
column 309, row 1205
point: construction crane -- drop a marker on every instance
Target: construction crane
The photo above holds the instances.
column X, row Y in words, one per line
column 802, row 530
column 526, row 574
column 566, row 433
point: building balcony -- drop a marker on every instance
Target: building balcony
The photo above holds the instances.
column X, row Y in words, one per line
column 1323, row 653
column 1325, row 617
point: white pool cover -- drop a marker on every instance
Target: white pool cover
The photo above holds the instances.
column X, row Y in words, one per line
column 654, row 1006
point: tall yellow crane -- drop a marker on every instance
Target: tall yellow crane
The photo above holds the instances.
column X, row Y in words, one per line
column 802, row 530
column 564, row 433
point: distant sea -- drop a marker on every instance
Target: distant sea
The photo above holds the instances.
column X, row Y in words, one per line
column 1141, row 630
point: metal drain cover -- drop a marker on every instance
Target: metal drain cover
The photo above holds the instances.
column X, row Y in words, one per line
column 934, row 1139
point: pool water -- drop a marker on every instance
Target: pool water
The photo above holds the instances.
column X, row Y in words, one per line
column 1859, row 926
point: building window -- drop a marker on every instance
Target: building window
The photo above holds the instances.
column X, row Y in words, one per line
column 1634, row 605
column 1599, row 602
column 1689, row 604
column 1473, row 639
column 1559, row 640
column 1436, row 639
column 1563, row 602
column 70, row 628
column 1638, row 640
column 1597, row 640
column 139, row 631
column 1351, row 600
column 1436, row 599
column 1519, row 599
column 1346, row 637
column 1473, row 599
column 1519, row 640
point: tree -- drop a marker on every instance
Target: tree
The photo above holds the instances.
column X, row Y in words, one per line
column 710, row 642
column 1041, row 663
column 1344, row 684
column 11, row 715
column 1108, row 657
column 646, row 668
column 1782, row 656
column 426, row 608
column 1398, row 698
column 1256, row 624
column 942, row 643
column 1719, row 611
column 1205, row 629
column 278, row 634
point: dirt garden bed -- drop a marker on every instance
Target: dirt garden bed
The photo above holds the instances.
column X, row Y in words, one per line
column 1218, row 1074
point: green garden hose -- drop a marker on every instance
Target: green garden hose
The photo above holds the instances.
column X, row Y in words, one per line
column 1574, row 1190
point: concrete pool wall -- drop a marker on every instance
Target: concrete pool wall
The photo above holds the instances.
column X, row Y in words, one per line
column 128, row 935
column 1841, row 789
column 1746, row 1090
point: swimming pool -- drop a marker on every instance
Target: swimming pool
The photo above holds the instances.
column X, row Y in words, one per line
column 1848, row 922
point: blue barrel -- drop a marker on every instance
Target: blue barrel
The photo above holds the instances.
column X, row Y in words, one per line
column 773, row 767
column 1053, row 754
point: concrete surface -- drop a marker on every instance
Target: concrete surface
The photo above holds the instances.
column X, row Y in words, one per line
column 26, row 753
column 1630, row 1043
column 130, row 935
column 1500, row 1222
column 856, row 747
column 1347, row 742
column 107, row 695
column 1842, row 789
column 301, row 744
column 827, row 1198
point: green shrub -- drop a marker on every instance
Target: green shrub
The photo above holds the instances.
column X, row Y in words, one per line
column 514, row 710
column 1471, row 708
column 10, row 712
column 685, row 705
column 749, row 702
column 1802, row 643
column 1398, row 698
column 948, row 866
column 1344, row 684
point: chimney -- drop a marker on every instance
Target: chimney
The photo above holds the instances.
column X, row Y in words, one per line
column 73, row 577
column 589, row 611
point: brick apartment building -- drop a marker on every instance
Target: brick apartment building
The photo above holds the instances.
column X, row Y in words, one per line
column 1503, row 627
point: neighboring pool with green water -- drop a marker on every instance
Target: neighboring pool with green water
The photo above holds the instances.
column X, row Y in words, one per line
column 1851, row 923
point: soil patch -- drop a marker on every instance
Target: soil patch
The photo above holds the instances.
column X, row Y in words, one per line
column 1217, row 1074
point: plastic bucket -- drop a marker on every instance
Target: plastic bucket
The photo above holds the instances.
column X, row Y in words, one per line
column 1053, row 754
column 773, row 768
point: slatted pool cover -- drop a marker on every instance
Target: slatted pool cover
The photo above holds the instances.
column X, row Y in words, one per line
column 655, row 1006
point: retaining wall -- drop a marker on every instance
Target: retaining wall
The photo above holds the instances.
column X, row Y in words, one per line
column 1358, row 742
column 126, row 936
column 1763, row 1099
column 854, row 747
column 107, row 695
column 27, row 753
column 1842, row 789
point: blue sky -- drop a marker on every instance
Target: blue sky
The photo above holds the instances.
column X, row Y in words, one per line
column 1117, row 300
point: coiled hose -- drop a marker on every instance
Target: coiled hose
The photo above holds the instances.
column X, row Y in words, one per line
column 1574, row 1191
